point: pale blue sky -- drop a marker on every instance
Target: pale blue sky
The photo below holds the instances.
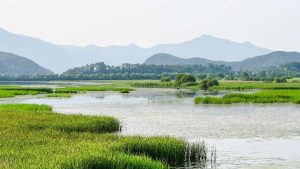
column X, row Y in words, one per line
column 274, row 24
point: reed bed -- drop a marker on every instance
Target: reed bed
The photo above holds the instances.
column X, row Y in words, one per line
column 93, row 88
column 163, row 85
column 64, row 92
column 255, row 85
column 33, row 136
column 153, row 84
column 266, row 96
column 11, row 91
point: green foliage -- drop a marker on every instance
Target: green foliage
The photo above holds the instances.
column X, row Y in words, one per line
column 154, row 84
column 32, row 136
column 213, row 82
column 254, row 85
column 174, row 153
column 92, row 88
column 280, row 80
column 11, row 91
column 206, row 84
column 203, row 85
column 112, row 161
column 101, row 71
column 184, row 78
column 269, row 80
column 267, row 96
column 165, row 79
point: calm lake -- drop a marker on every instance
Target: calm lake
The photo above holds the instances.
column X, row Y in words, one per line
column 247, row 136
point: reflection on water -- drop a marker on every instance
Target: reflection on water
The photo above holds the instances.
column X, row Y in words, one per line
column 245, row 136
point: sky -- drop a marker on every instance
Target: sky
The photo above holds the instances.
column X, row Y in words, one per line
column 273, row 24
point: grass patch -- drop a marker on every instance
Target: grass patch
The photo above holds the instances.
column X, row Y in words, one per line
column 158, row 84
column 32, row 136
column 93, row 88
column 11, row 91
column 266, row 96
column 153, row 84
column 254, row 85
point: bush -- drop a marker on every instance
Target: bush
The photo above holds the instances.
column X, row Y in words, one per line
column 280, row 80
column 213, row 82
column 165, row 79
column 205, row 84
column 269, row 80
column 184, row 78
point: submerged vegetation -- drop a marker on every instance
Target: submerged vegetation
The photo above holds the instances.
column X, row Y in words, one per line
column 266, row 96
column 32, row 136
column 59, row 95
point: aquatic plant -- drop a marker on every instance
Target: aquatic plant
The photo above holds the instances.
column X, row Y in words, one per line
column 266, row 96
column 254, row 85
column 71, row 89
column 11, row 91
column 59, row 95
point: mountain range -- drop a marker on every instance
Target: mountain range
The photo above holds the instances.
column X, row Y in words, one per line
column 11, row 64
column 259, row 62
column 59, row 58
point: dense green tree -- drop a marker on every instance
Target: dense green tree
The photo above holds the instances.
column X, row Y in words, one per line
column 165, row 79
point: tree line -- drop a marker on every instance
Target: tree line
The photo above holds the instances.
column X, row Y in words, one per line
column 101, row 71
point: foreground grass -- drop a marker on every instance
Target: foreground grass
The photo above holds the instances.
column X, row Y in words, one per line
column 32, row 136
column 254, row 85
column 266, row 96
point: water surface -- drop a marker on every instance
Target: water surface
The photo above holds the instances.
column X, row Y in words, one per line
column 245, row 135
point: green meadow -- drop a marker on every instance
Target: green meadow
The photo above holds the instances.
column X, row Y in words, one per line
column 33, row 136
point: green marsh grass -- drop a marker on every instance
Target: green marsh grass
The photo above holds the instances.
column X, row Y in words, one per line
column 159, row 84
column 33, row 136
column 266, row 96
column 153, row 84
column 11, row 91
column 93, row 88
column 254, row 85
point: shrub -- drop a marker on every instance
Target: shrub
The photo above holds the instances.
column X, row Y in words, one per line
column 205, row 84
column 280, row 80
column 184, row 78
column 165, row 79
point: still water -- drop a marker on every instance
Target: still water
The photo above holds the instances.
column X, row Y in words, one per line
column 250, row 136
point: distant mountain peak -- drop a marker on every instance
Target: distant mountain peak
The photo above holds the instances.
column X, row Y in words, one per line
column 60, row 58
column 12, row 64
column 258, row 62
